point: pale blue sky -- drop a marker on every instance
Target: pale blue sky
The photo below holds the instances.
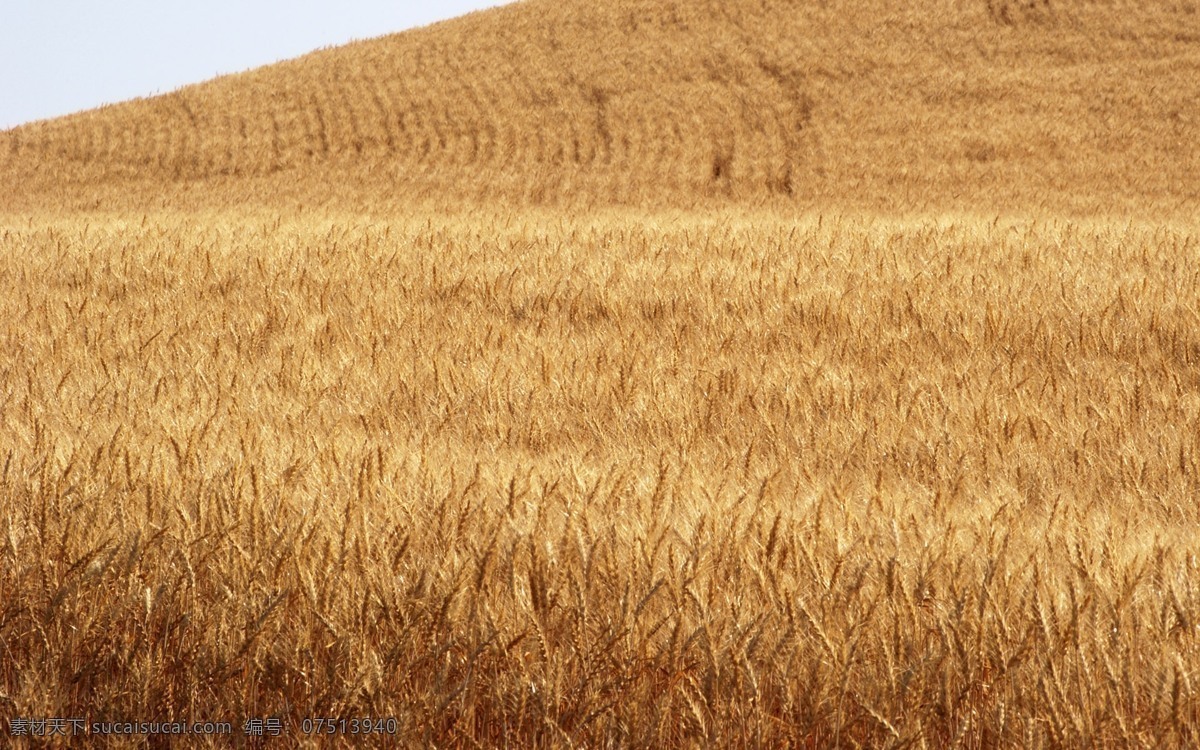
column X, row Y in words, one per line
column 62, row 56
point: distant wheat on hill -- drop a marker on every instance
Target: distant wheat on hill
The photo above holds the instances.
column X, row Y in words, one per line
column 1063, row 102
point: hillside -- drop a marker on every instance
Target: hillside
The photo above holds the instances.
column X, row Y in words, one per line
column 1079, row 105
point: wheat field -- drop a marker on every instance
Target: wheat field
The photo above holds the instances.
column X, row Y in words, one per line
column 1047, row 107
column 625, row 374
column 833, row 481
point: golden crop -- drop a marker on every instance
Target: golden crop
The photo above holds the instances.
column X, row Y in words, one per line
column 736, row 479
column 1053, row 106
column 637, row 373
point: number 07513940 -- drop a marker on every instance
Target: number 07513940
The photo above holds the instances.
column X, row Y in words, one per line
column 330, row 725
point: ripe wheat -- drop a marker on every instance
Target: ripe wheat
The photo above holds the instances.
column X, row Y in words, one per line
column 756, row 480
column 633, row 373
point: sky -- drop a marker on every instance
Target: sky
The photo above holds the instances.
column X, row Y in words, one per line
column 63, row 56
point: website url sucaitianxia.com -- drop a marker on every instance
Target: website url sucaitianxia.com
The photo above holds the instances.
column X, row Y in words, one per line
column 75, row 727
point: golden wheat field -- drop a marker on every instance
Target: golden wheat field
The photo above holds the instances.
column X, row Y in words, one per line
column 624, row 374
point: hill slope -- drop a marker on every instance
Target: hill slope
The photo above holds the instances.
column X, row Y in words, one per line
column 1075, row 104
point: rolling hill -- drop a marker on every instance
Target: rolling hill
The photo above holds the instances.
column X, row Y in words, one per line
column 1080, row 105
